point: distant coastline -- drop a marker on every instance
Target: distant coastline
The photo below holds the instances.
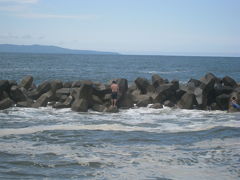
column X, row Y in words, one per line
column 42, row 49
column 49, row 49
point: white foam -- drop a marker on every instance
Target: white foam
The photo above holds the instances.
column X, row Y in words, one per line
column 165, row 127
column 140, row 119
column 65, row 151
column 213, row 143
column 163, row 72
column 34, row 129
column 139, row 160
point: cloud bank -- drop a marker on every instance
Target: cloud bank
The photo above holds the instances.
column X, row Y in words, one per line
column 19, row 1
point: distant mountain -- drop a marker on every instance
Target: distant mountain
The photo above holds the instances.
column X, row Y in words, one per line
column 10, row 48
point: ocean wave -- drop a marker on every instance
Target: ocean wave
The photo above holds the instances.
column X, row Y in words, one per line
column 163, row 72
column 139, row 160
column 28, row 121
column 164, row 128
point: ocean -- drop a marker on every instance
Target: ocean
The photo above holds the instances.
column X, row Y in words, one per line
column 138, row 143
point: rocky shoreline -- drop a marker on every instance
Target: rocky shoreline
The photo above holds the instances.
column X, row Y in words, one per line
column 208, row 93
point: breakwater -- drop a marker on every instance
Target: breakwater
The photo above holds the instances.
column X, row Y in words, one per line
column 207, row 93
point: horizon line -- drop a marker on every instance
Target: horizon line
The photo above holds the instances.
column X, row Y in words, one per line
column 183, row 54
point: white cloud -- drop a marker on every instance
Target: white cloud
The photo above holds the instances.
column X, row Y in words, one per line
column 41, row 37
column 12, row 8
column 56, row 16
column 8, row 36
column 26, row 36
column 15, row 5
column 19, row 1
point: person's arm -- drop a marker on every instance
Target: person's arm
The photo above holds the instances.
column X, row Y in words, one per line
column 111, row 87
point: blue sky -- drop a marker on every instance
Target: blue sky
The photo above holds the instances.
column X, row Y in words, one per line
column 186, row 27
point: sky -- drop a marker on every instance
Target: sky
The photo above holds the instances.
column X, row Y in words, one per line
column 163, row 27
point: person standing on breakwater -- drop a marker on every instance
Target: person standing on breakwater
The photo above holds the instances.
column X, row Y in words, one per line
column 114, row 88
column 234, row 103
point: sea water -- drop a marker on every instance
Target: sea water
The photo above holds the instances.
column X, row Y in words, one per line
column 103, row 68
column 138, row 143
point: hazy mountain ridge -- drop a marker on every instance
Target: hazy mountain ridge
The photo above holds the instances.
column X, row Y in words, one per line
column 11, row 48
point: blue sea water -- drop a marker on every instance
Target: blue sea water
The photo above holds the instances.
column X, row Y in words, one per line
column 139, row 143
column 106, row 67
